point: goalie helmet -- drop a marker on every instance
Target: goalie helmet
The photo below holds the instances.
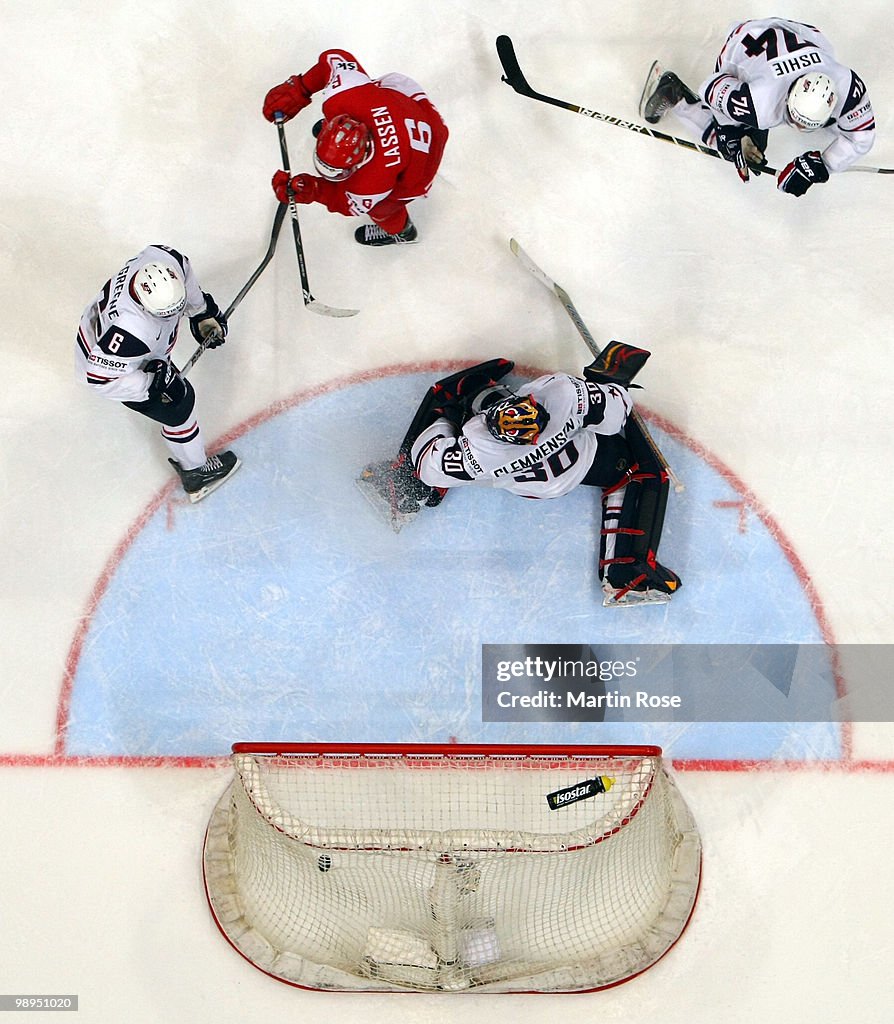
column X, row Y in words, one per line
column 810, row 102
column 517, row 420
column 159, row 289
column 343, row 145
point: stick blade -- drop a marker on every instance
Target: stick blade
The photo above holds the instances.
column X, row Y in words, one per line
column 530, row 265
column 324, row 310
column 512, row 73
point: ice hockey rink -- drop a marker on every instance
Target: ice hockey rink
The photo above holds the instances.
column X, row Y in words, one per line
column 144, row 635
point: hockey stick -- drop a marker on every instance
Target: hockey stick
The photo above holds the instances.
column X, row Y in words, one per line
column 309, row 300
column 228, row 312
column 589, row 341
column 514, row 77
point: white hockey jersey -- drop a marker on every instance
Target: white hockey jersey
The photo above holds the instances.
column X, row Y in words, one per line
column 578, row 410
column 756, row 68
column 117, row 337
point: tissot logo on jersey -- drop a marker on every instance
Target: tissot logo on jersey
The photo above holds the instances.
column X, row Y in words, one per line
column 110, row 364
column 469, row 456
column 539, row 453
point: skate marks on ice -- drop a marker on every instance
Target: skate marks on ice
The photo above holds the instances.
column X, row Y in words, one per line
column 283, row 607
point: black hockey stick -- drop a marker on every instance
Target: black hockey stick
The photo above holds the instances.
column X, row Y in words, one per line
column 590, row 342
column 513, row 76
column 309, row 300
column 278, row 218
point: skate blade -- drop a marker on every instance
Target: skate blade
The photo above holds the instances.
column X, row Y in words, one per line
column 633, row 598
column 383, row 503
column 655, row 72
column 203, row 492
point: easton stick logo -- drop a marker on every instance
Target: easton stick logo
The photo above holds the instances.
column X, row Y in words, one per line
column 580, row 791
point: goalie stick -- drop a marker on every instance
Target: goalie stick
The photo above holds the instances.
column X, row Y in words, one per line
column 513, row 76
column 590, row 342
column 228, row 312
column 309, row 300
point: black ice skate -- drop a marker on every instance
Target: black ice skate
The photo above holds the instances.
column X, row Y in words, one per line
column 372, row 234
column 634, row 583
column 199, row 483
column 663, row 90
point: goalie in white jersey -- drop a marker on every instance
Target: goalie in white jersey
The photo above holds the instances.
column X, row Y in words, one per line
column 123, row 352
column 541, row 441
column 771, row 72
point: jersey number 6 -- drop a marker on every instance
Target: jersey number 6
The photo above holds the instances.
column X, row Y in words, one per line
column 419, row 133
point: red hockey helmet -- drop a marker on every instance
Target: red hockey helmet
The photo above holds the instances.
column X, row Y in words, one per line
column 343, row 144
column 517, row 420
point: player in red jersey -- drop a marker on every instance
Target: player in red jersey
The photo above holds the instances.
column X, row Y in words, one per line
column 378, row 146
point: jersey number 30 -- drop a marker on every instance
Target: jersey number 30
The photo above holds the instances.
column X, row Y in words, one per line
column 557, row 464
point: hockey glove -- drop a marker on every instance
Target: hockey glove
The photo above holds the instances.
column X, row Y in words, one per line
column 805, row 170
column 304, row 187
column 209, row 327
column 728, row 139
column 754, row 145
column 166, row 385
column 286, row 100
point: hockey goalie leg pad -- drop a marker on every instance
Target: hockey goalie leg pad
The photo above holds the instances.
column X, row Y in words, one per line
column 633, row 513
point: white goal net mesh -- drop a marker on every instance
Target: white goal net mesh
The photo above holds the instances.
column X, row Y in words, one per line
column 447, row 870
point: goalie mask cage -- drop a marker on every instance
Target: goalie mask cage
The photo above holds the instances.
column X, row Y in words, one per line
column 384, row 867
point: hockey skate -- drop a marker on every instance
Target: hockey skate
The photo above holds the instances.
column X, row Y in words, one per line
column 636, row 583
column 199, row 483
column 662, row 91
column 372, row 234
column 395, row 492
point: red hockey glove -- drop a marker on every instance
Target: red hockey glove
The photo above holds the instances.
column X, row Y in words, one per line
column 805, row 170
column 286, row 99
column 305, row 187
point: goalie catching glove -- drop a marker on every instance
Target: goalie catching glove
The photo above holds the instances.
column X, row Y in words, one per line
column 209, row 327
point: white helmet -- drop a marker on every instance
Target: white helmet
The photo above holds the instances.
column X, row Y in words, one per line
column 159, row 289
column 810, row 101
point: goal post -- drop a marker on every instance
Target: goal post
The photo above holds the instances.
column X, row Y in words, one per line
column 461, row 868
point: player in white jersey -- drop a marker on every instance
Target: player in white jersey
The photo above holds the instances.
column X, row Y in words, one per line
column 123, row 352
column 541, row 441
column 770, row 72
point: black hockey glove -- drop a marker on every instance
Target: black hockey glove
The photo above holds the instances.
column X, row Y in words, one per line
column 729, row 145
column 754, row 146
column 805, row 170
column 166, row 385
column 209, row 327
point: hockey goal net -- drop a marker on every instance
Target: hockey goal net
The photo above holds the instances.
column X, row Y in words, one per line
column 454, row 868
